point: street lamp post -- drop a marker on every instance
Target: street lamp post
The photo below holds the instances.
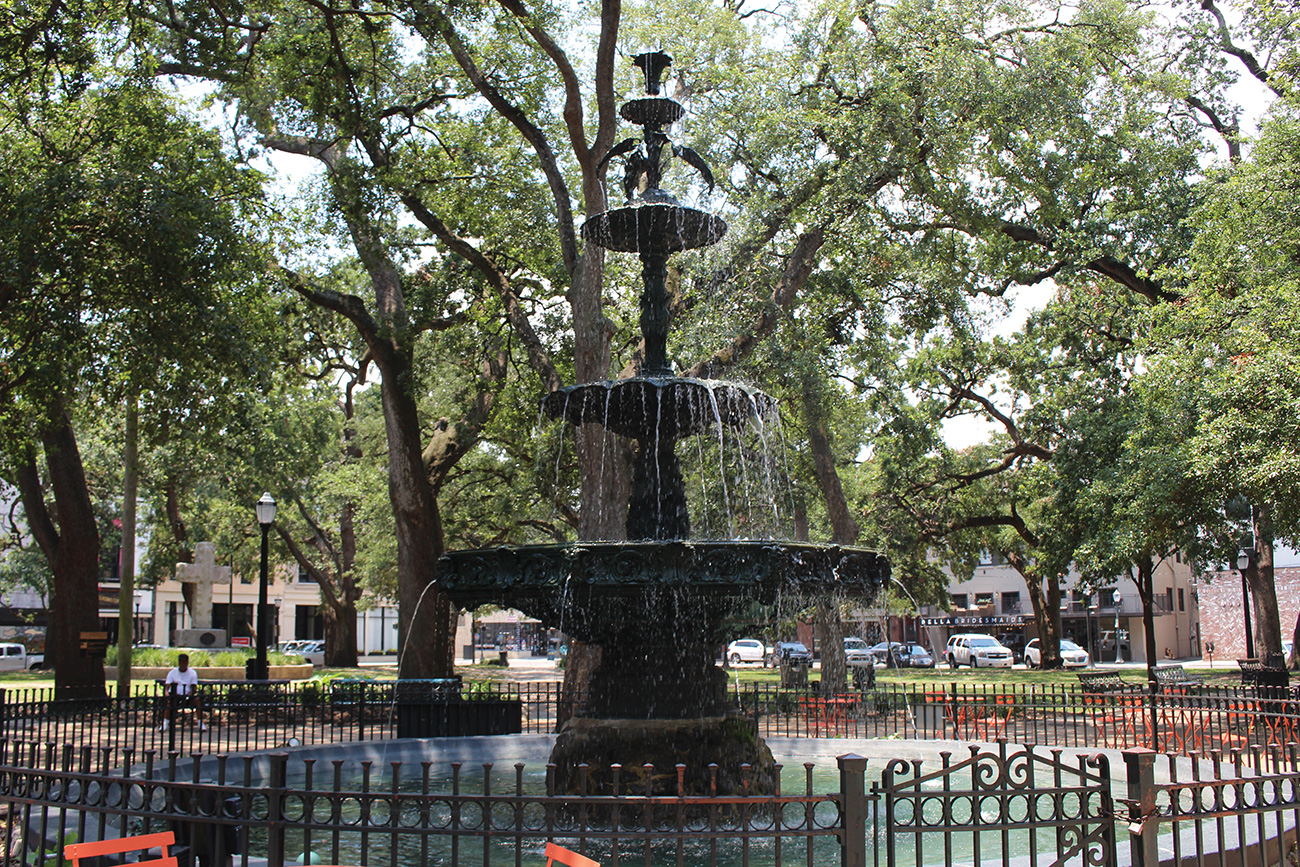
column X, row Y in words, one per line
column 1243, row 565
column 1091, row 602
column 266, row 517
column 1119, row 653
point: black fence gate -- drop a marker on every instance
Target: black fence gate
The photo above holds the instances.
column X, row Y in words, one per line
column 1027, row 806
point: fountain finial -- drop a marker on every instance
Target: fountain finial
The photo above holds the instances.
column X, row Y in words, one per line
column 653, row 64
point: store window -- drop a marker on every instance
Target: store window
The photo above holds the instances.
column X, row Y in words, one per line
column 958, row 601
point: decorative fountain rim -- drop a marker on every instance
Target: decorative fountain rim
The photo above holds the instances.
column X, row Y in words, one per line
column 632, row 564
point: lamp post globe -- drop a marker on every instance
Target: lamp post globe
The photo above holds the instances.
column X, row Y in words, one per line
column 1244, row 560
column 1119, row 653
column 260, row 669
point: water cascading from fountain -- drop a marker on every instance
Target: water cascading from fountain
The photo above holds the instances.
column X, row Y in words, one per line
column 658, row 604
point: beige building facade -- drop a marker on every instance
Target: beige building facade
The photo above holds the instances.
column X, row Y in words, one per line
column 995, row 600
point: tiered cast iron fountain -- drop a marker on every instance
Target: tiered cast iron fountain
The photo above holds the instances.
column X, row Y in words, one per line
column 658, row 604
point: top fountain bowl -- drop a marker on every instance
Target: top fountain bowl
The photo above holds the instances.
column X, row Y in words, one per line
column 667, row 408
column 655, row 110
column 654, row 228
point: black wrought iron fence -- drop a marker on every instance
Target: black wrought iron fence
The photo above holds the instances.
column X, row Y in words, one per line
column 976, row 804
column 237, row 717
column 280, row 810
column 1189, row 812
column 1256, row 722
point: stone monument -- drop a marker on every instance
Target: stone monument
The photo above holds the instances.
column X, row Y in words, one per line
column 203, row 573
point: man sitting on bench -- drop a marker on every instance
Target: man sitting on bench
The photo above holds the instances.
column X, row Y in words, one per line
column 181, row 691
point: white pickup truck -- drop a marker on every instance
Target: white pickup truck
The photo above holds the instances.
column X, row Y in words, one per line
column 14, row 657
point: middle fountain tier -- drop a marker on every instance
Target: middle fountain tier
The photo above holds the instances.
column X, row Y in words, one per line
column 658, row 605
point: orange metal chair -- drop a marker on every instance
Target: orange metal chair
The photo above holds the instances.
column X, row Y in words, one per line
column 74, row 852
column 560, row 855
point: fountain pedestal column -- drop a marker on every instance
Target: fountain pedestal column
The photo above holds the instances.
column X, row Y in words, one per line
column 654, row 314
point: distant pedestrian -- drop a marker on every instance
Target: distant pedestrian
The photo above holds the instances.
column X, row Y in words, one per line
column 182, row 691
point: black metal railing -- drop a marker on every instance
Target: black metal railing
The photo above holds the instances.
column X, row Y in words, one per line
column 285, row 811
column 975, row 804
column 1191, row 719
column 244, row 716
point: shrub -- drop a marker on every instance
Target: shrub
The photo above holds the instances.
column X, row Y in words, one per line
column 165, row 657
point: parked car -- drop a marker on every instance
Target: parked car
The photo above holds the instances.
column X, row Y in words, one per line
column 913, row 656
column 747, row 650
column 900, row 654
column 856, row 650
column 977, row 651
column 790, row 652
column 882, row 653
column 14, row 657
column 1072, row 655
column 312, row 651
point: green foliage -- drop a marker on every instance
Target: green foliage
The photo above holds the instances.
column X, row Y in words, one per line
column 166, row 657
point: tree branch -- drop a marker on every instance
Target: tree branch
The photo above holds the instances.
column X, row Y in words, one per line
column 538, row 358
column 444, row 30
column 1247, row 59
column 797, row 270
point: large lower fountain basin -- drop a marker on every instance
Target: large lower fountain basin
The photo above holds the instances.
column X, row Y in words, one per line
column 597, row 591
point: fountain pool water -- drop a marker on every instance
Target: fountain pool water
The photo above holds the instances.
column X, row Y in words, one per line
column 658, row 604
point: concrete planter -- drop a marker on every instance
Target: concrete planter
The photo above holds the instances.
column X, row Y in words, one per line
column 210, row 673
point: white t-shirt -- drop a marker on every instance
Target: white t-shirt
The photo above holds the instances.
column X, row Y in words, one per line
column 186, row 681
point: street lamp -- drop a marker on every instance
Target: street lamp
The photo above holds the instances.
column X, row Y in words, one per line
column 1119, row 653
column 1093, row 602
column 1243, row 564
column 266, row 517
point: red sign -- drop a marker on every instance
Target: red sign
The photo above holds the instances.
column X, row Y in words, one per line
column 239, row 641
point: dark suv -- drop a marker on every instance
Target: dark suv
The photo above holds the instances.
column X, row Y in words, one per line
column 792, row 652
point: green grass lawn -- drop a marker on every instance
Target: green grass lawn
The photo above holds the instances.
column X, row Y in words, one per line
column 1013, row 676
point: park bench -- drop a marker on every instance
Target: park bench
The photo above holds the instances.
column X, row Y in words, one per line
column 1104, row 682
column 1259, row 672
column 1176, row 676
column 1114, row 707
column 245, row 699
column 358, row 700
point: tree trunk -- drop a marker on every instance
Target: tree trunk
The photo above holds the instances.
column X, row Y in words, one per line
column 844, row 529
column 343, row 649
column 71, row 546
column 340, row 637
column 1146, row 591
column 427, row 651
column 1045, row 597
column 1263, row 590
column 830, row 635
column 126, row 589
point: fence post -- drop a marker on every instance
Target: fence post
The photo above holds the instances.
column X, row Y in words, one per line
column 1144, row 823
column 275, row 810
column 853, row 791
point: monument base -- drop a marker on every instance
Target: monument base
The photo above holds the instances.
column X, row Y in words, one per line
column 203, row 639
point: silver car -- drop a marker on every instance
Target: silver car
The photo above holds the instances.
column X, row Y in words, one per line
column 747, row 650
column 312, row 651
column 1072, row 655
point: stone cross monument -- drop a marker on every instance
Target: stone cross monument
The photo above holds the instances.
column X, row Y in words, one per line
column 203, row 573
